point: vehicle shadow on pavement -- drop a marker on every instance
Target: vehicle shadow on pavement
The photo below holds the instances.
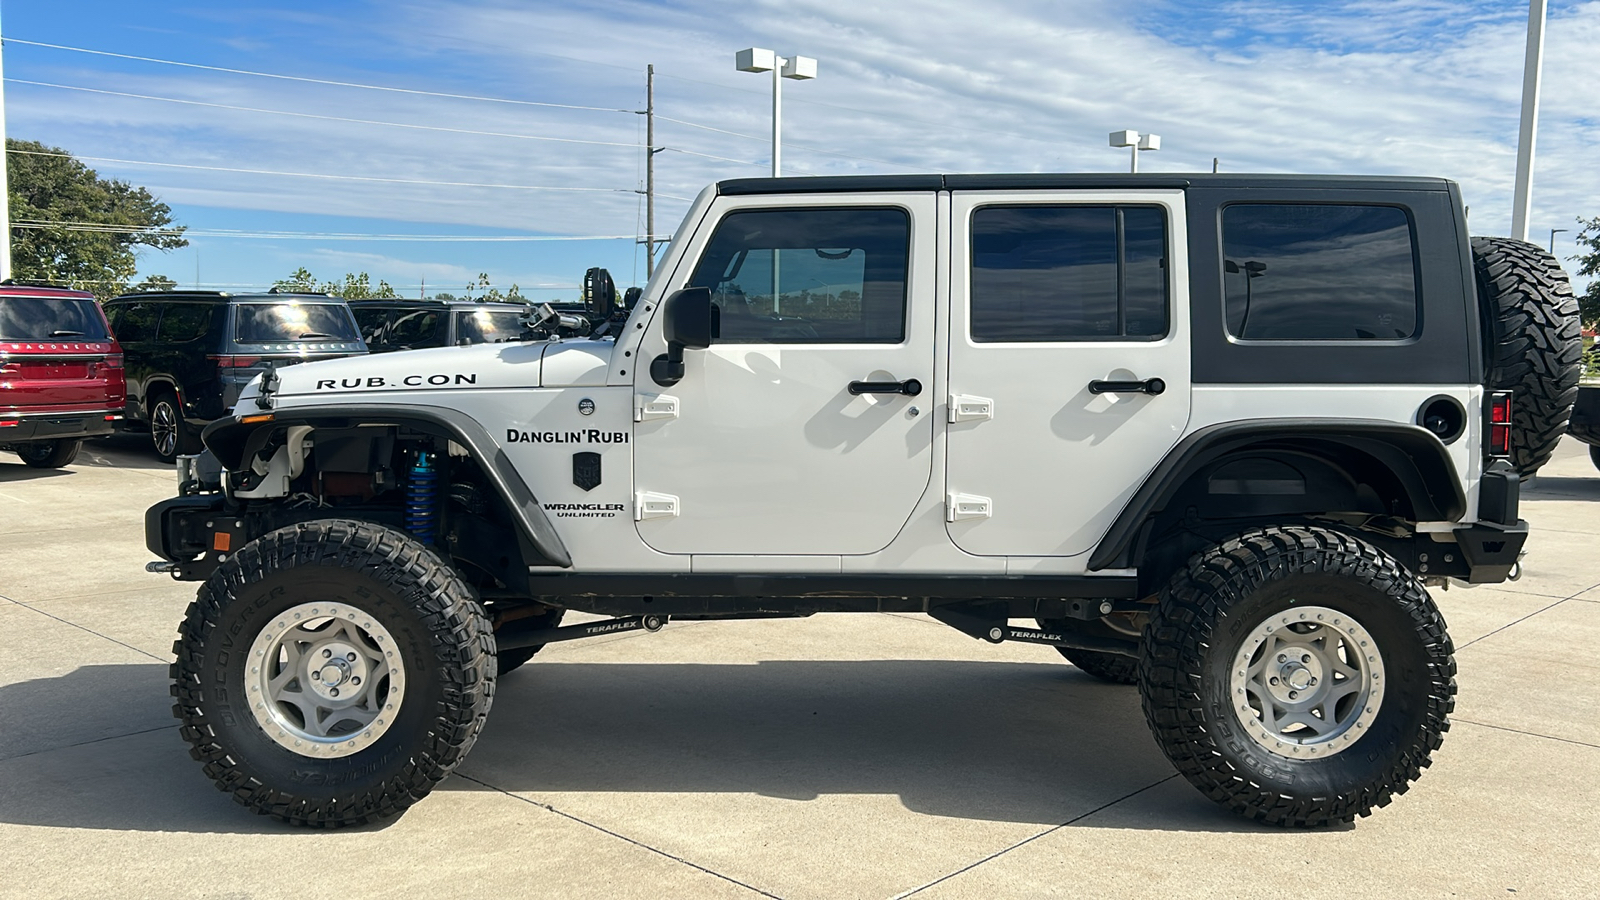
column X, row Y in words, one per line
column 14, row 472
column 1005, row 742
column 124, row 450
column 1562, row 487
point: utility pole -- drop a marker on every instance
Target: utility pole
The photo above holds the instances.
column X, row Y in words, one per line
column 649, row 171
column 1532, row 65
column 5, row 185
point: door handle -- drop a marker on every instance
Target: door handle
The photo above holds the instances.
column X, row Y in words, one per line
column 910, row 387
column 1151, row 386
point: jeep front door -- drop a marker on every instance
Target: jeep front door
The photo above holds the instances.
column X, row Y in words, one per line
column 804, row 429
column 1069, row 363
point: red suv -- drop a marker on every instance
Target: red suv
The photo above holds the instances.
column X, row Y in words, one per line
column 61, row 376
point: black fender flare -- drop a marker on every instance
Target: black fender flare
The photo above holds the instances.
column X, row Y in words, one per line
column 1418, row 460
column 233, row 439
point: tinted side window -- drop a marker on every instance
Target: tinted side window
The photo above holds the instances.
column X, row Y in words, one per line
column 1068, row 273
column 371, row 323
column 1302, row 272
column 414, row 330
column 183, row 322
column 820, row 276
column 136, row 321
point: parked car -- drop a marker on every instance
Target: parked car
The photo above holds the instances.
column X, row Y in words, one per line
column 190, row 352
column 1585, row 424
column 396, row 324
column 1216, row 435
column 61, row 375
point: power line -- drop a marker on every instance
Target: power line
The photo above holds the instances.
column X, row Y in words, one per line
column 473, row 184
column 104, row 228
column 350, row 84
column 304, row 115
column 786, row 144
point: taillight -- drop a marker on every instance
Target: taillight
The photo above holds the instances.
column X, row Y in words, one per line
column 235, row 362
column 1499, row 436
column 112, row 361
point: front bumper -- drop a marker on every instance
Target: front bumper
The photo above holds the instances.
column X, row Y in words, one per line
column 56, row 426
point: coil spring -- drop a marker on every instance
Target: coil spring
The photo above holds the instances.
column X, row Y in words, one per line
column 422, row 499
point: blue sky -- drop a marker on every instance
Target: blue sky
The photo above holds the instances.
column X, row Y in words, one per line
column 1427, row 87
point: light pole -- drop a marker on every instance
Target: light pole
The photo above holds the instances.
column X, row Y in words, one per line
column 1137, row 142
column 1553, row 233
column 1532, row 65
column 800, row 68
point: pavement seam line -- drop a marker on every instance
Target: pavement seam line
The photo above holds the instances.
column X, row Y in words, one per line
column 90, row 630
column 1052, row 830
column 621, row 837
column 1548, row 737
column 109, row 737
column 1519, row 621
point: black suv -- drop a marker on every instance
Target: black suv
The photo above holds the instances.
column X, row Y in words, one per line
column 395, row 324
column 188, row 353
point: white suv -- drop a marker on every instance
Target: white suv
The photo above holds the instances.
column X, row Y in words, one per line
column 1210, row 434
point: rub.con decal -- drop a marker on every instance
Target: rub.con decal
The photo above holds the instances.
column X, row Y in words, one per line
column 587, row 436
column 378, row 381
column 585, row 510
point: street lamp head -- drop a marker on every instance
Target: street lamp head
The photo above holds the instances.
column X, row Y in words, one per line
column 800, row 68
column 1124, row 138
column 756, row 59
column 1150, row 142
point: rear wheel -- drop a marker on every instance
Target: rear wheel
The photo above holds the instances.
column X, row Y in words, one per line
column 507, row 660
column 332, row 673
column 1594, row 455
column 49, row 454
column 169, row 433
column 1297, row 675
column 1536, row 347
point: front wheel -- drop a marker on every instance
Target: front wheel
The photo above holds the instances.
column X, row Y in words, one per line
column 1297, row 675
column 332, row 673
column 49, row 454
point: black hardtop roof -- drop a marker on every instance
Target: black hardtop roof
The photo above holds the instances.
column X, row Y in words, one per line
column 226, row 296
column 1098, row 180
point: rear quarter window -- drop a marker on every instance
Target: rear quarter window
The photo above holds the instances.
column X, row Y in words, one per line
column 1319, row 272
column 183, row 322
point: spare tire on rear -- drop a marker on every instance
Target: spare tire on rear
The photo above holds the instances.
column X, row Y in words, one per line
column 1535, row 346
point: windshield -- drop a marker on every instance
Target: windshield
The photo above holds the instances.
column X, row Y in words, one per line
column 489, row 326
column 268, row 323
column 42, row 319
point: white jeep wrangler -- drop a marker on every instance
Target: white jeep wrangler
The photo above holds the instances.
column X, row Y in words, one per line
column 1212, row 435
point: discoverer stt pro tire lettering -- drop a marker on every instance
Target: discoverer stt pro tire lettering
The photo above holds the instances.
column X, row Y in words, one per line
column 1294, row 582
column 401, row 609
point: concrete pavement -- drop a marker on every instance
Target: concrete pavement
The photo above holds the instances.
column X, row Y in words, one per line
column 839, row 756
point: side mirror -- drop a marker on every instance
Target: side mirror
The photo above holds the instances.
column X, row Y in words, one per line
column 689, row 323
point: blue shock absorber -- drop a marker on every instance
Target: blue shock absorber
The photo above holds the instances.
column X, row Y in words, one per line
column 422, row 499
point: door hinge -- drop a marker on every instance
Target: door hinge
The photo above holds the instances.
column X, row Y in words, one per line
column 967, row 506
column 651, row 505
column 967, row 408
column 661, row 406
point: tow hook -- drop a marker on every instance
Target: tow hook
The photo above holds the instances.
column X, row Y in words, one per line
column 161, row 567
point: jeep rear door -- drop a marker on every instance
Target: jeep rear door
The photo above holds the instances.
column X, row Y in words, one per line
column 762, row 447
column 1069, row 362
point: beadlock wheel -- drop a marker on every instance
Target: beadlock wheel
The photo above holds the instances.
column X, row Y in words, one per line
column 1307, row 683
column 325, row 680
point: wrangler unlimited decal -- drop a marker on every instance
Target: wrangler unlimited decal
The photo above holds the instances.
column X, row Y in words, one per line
column 585, row 510
column 378, row 381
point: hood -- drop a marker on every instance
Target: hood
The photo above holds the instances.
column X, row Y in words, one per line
column 395, row 375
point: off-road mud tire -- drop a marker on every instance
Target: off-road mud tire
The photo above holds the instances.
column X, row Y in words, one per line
column 1209, row 608
column 507, row 660
column 442, row 633
column 49, row 454
column 1108, row 667
column 1535, row 347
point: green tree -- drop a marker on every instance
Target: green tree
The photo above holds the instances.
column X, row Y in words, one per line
column 71, row 227
column 155, row 283
column 490, row 293
column 1589, row 266
column 353, row 287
